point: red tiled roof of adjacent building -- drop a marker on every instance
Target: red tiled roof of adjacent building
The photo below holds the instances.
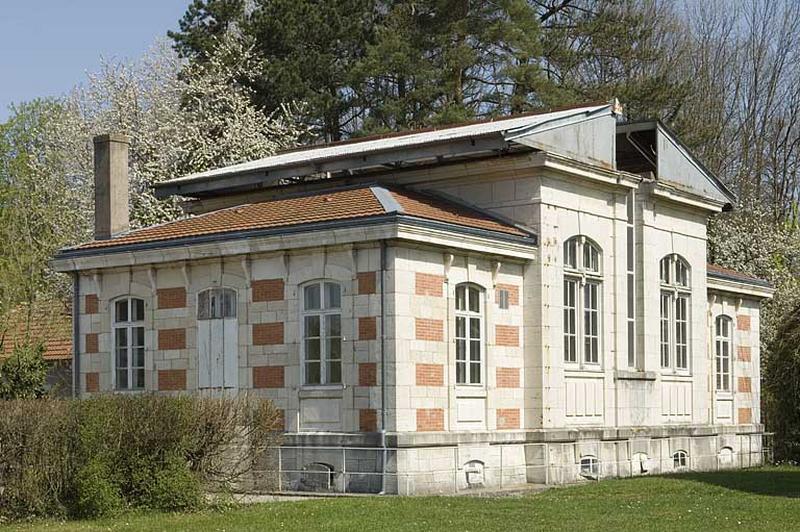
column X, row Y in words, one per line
column 49, row 323
column 324, row 206
column 715, row 270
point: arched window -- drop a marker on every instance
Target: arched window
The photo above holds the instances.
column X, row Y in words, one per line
column 128, row 326
column 322, row 333
column 216, row 303
column 726, row 457
column 675, row 305
column 469, row 334
column 680, row 459
column 590, row 467
column 723, row 350
column 582, row 311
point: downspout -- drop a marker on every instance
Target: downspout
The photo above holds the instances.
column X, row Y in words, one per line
column 383, row 368
column 76, row 334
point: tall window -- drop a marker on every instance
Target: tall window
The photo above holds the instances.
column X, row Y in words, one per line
column 630, row 278
column 129, row 343
column 723, row 349
column 469, row 334
column 582, row 280
column 322, row 333
column 675, row 298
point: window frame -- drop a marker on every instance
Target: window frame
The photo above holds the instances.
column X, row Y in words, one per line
column 130, row 327
column 720, row 340
column 468, row 315
column 322, row 313
column 675, row 297
column 583, row 271
column 222, row 292
column 680, row 459
column 589, row 467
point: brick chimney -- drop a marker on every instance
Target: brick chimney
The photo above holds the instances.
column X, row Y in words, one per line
column 110, row 185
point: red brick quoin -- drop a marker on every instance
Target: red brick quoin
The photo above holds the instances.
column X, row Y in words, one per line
column 367, row 283
column 171, row 339
column 171, row 297
column 428, row 284
column 431, row 330
column 430, row 375
column 268, row 290
column 171, row 379
column 430, row 419
column 268, row 377
column 368, row 374
column 91, row 304
column 268, row 333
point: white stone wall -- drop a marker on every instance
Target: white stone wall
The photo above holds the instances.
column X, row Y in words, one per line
column 269, row 366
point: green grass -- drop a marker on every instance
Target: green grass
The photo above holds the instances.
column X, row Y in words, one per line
column 765, row 499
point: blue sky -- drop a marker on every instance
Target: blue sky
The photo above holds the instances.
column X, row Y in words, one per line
column 48, row 46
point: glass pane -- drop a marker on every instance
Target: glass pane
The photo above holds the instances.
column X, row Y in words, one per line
column 629, row 248
column 461, row 349
column 202, row 305
column 333, row 295
column 475, row 350
column 122, row 357
column 461, row 372
column 214, row 310
column 334, row 346
column 665, row 263
column 122, row 379
column 502, row 298
column 139, row 379
column 334, row 372
column 138, row 336
column 121, row 337
column 474, row 301
column 461, row 327
column 591, row 259
column 138, row 359
column 312, row 349
column 229, row 304
column 631, row 295
column 474, row 373
column 311, row 297
column 461, row 297
column 571, row 254
column 631, row 344
column 312, row 373
column 121, row 313
column 333, row 325
column 474, row 328
column 311, row 326
column 137, row 309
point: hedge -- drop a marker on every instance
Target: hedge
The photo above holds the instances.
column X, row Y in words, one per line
column 96, row 457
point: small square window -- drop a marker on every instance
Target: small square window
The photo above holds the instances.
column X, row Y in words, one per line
column 502, row 298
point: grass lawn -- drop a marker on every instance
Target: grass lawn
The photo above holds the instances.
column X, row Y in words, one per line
column 758, row 499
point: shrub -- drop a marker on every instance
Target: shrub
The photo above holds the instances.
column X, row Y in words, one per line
column 94, row 457
column 96, row 493
column 23, row 375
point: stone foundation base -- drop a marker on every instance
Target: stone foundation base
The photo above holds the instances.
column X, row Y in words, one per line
column 431, row 463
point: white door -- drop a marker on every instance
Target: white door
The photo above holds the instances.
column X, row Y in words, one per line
column 217, row 338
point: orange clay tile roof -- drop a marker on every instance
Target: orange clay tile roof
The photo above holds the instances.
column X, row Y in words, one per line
column 715, row 270
column 325, row 206
column 49, row 323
